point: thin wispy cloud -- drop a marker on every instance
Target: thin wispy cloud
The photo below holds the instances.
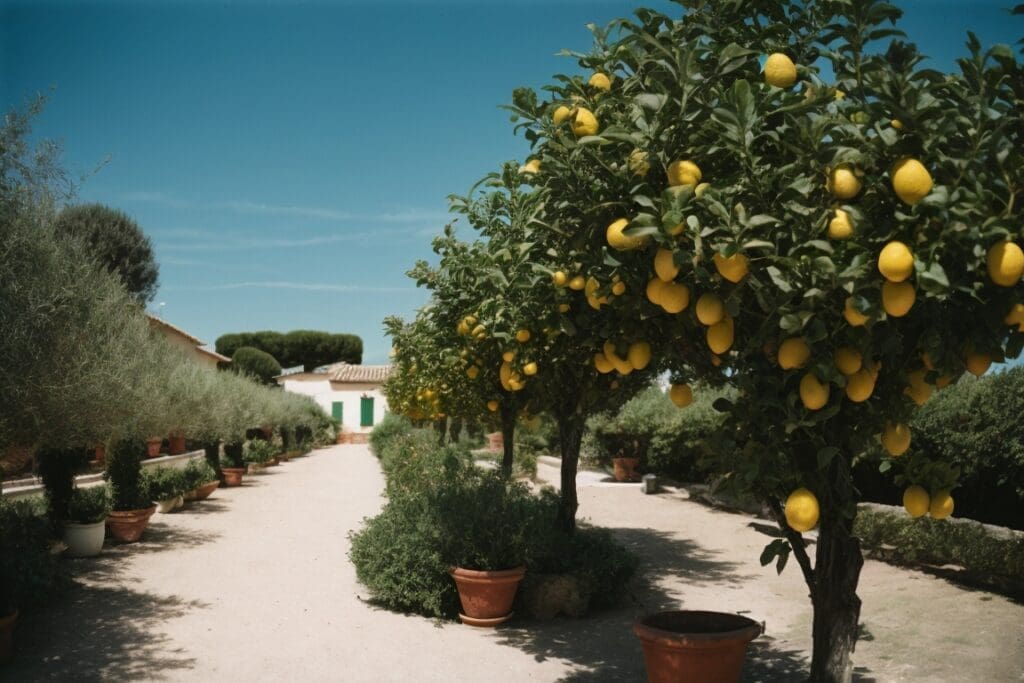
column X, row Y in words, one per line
column 279, row 284
column 277, row 243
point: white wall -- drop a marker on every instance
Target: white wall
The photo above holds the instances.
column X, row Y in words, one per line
column 350, row 396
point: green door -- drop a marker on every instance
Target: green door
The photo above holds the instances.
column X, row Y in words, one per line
column 336, row 411
column 366, row 411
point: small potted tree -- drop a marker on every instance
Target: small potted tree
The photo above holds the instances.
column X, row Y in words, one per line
column 232, row 465
column 132, row 506
column 85, row 524
column 259, row 454
column 617, row 445
column 167, row 487
column 201, row 480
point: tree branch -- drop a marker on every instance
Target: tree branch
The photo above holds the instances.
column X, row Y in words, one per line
column 796, row 542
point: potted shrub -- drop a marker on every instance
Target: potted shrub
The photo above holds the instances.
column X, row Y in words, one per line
column 482, row 523
column 259, row 454
column 201, row 480
column 616, row 443
column 167, row 487
column 132, row 506
column 57, row 468
column 86, row 521
column 695, row 645
column 232, row 465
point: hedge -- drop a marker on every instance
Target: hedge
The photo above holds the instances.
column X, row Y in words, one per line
column 308, row 348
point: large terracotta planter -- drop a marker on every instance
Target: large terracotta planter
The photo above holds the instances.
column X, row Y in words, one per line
column 204, row 491
column 233, row 475
column 695, row 646
column 153, row 447
column 7, row 625
column 127, row 526
column 176, row 444
column 84, row 540
column 486, row 597
column 625, row 468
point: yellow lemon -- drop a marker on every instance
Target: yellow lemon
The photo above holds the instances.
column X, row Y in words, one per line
column 716, row 360
column 779, row 70
column 674, row 297
column 584, row 123
column 897, row 124
column 701, row 188
column 677, row 230
column 561, row 114
column 720, row 335
column 840, row 227
column 943, row 381
column 505, row 372
column 813, row 392
column 802, row 510
column 710, row 309
column 563, row 308
column 733, row 268
column 577, row 283
column 622, row 366
column 600, row 81
column 472, row 371
column 793, row 353
column 654, row 290
column 898, row 298
column 1005, row 264
column 860, row 385
column 639, row 355
column 559, row 278
column 530, row 369
column 896, row 262
column 911, row 180
column 531, row 166
column 602, row 364
column 919, row 392
column 665, row 265
column 848, row 360
column 916, row 501
column 492, row 406
column 591, row 291
column 843, row 182
column 896, row 438
column 638, row 163
column 852, row 315
column 941, row 505
column 620, row 242
column 683, row 173
column 619, row 288
column 681, row 395
column 462, row 328
column 522, row 336
column 978, row 363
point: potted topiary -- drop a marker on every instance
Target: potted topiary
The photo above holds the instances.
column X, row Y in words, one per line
column 132, row 506
column 259, row 454
column 232, row 465
column 167, row 487
column 201, row 480
column 616, row 443
column 482, row 523
column 85, row 525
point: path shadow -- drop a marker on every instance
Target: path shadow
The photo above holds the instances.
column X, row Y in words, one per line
column 160, row 536
column 208, row 506
column 99, row 632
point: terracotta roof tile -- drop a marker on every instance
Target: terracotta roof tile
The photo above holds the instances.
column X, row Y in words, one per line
column 345, row 372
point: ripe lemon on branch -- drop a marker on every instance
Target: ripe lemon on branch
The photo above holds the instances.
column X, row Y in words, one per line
column 802, row 510
column 779, row 70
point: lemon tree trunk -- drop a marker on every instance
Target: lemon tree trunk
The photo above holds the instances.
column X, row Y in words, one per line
column 508, row 435
column 570, row 435
column 837, row 566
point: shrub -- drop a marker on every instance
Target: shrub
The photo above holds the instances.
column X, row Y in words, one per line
column 929, row 541
column 414, row 462
column 387, row 430
column 197, row 473
column 57, row 468
column 27, row 567
column 234, row 455
column 260, row 452
column 124, row 470
column 257, row 364
column 89, row 505
column 166, row 483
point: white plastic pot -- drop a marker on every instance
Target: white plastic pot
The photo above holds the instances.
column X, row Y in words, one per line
column 84, row 540
column 170, row 504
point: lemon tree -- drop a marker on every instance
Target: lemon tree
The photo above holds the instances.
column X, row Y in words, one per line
column 797, row 206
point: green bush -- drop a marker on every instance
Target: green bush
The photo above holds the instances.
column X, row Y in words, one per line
column 128, row 488
column 57, row 468
column 89, row 505
column 28, row 569
column 166, row 483
column 197, row 473
column 257, row 364
column 307, row 348
column 387, row 430
column 260, row 452
column 234, row 455
column 929, row 541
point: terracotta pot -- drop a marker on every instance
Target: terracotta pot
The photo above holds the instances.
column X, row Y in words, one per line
column 204, row 491
column 695, row 646
column 153, row 447
column 7, row 625
column 495, row 441
column 486, row 597
column 176, row 444
column 84, row 540
column 268, row 432
column 233, row 475
column 625, row 468
column 100, row 454
column 127, row 526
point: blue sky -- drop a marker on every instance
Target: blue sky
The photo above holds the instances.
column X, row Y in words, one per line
column 291, row 161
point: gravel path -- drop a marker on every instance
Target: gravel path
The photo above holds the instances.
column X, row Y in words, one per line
column 254, row 585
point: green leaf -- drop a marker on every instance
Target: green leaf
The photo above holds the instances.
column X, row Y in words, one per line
column 825, row 456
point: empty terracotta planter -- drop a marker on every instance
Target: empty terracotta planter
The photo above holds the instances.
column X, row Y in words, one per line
column 153, row 447
column 127, row 526
column 176, row 444
column 486, row 597
column 695, row 646
column 233, row 475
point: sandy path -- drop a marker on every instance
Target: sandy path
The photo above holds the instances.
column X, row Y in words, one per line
column 255, row 585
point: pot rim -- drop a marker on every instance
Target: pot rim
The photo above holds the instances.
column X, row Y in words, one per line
column 478, row 574
column 132, row 513
column 85, row 525
column 674, row 638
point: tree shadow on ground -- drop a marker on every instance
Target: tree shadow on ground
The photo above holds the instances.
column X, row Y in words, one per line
column 603, row 646
column 208, row 506
column 158, row 537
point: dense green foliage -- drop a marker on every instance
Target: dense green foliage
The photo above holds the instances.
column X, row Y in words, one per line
column 257, row 364
column 128, row 489
column 199, row 472
column 307, row 348
column 260, row 451
column 927, row 541
column 89, row 505
column 27, row 567
column 234, row 454
column 116, row 242
column 57, row 468
column 165, row 483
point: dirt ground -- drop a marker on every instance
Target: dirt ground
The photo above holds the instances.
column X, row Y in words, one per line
column 255, row 585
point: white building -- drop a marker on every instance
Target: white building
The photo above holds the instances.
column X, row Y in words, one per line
column 352, row 394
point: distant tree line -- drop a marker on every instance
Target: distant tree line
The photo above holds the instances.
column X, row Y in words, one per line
column 308, row 348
